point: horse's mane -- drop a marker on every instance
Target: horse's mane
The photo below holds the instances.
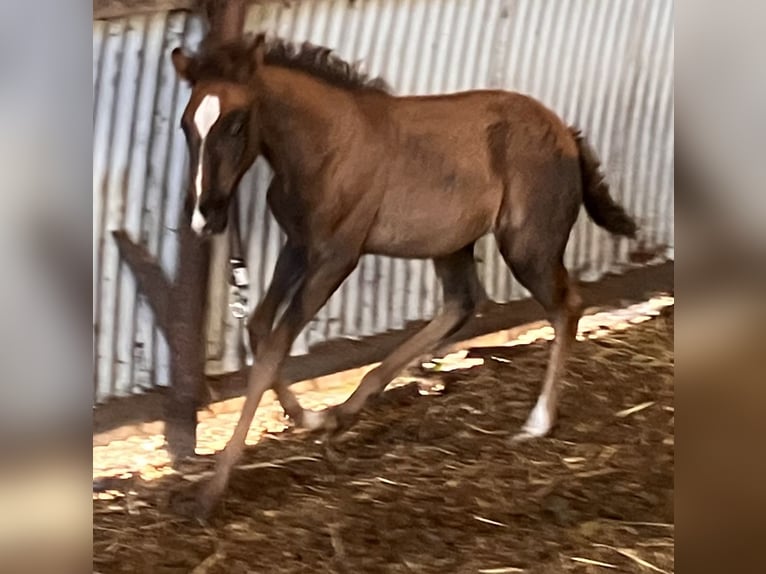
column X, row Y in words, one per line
column 233, row 61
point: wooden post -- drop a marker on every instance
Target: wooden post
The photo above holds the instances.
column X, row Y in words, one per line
column 179, row 305
column 179, row 309
column 226, row 19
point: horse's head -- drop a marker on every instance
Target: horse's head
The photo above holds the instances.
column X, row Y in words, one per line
column 221, row 131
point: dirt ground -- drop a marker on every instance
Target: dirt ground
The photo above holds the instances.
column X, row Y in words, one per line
column 433, row 483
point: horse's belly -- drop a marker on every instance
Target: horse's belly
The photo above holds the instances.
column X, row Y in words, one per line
column 427, row 225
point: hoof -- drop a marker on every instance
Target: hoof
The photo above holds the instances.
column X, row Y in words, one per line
column 331, row 421
column 337, row 422
column 193, row 505
column 206, row 504
column 539, row 423
column 313, row 420
column 521, row 437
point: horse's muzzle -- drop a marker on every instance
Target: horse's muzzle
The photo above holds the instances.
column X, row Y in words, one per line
column 215, row 223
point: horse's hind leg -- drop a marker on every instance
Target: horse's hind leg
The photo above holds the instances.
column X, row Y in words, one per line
column 536, row 260
column 462, row 291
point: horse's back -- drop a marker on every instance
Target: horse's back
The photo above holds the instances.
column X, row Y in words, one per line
column 472, row 127
column 451, row 165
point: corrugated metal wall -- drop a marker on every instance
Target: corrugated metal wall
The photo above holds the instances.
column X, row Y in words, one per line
column 139, row 157
column 605, row 65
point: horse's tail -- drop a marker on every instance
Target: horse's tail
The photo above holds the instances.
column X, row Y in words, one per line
column 599, row 205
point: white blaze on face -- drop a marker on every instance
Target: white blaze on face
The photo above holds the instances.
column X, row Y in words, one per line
column 205, row 116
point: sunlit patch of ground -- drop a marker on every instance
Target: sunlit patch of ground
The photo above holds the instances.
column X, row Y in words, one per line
column 147, row 458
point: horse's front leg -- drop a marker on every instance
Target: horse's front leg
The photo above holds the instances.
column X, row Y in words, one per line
column 323, row 276
column 288, row 273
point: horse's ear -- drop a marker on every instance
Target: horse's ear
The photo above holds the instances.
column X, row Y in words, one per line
column 183, row 63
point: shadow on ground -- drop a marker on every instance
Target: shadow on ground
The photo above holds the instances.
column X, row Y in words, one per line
column 432, row 483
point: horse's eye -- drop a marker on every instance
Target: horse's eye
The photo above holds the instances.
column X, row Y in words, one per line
column 236, row 127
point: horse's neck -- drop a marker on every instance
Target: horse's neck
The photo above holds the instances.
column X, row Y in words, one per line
column 293, row 105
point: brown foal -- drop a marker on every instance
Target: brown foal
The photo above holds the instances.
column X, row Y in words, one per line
column 358, row 170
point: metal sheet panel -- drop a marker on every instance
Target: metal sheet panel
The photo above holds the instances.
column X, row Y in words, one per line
column 138, row 170
column 603, row 65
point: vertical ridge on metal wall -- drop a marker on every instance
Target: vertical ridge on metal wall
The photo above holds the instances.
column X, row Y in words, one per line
column 102, row 139
column 605, row 67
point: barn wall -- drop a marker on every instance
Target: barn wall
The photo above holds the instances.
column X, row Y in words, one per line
column 604, row 65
